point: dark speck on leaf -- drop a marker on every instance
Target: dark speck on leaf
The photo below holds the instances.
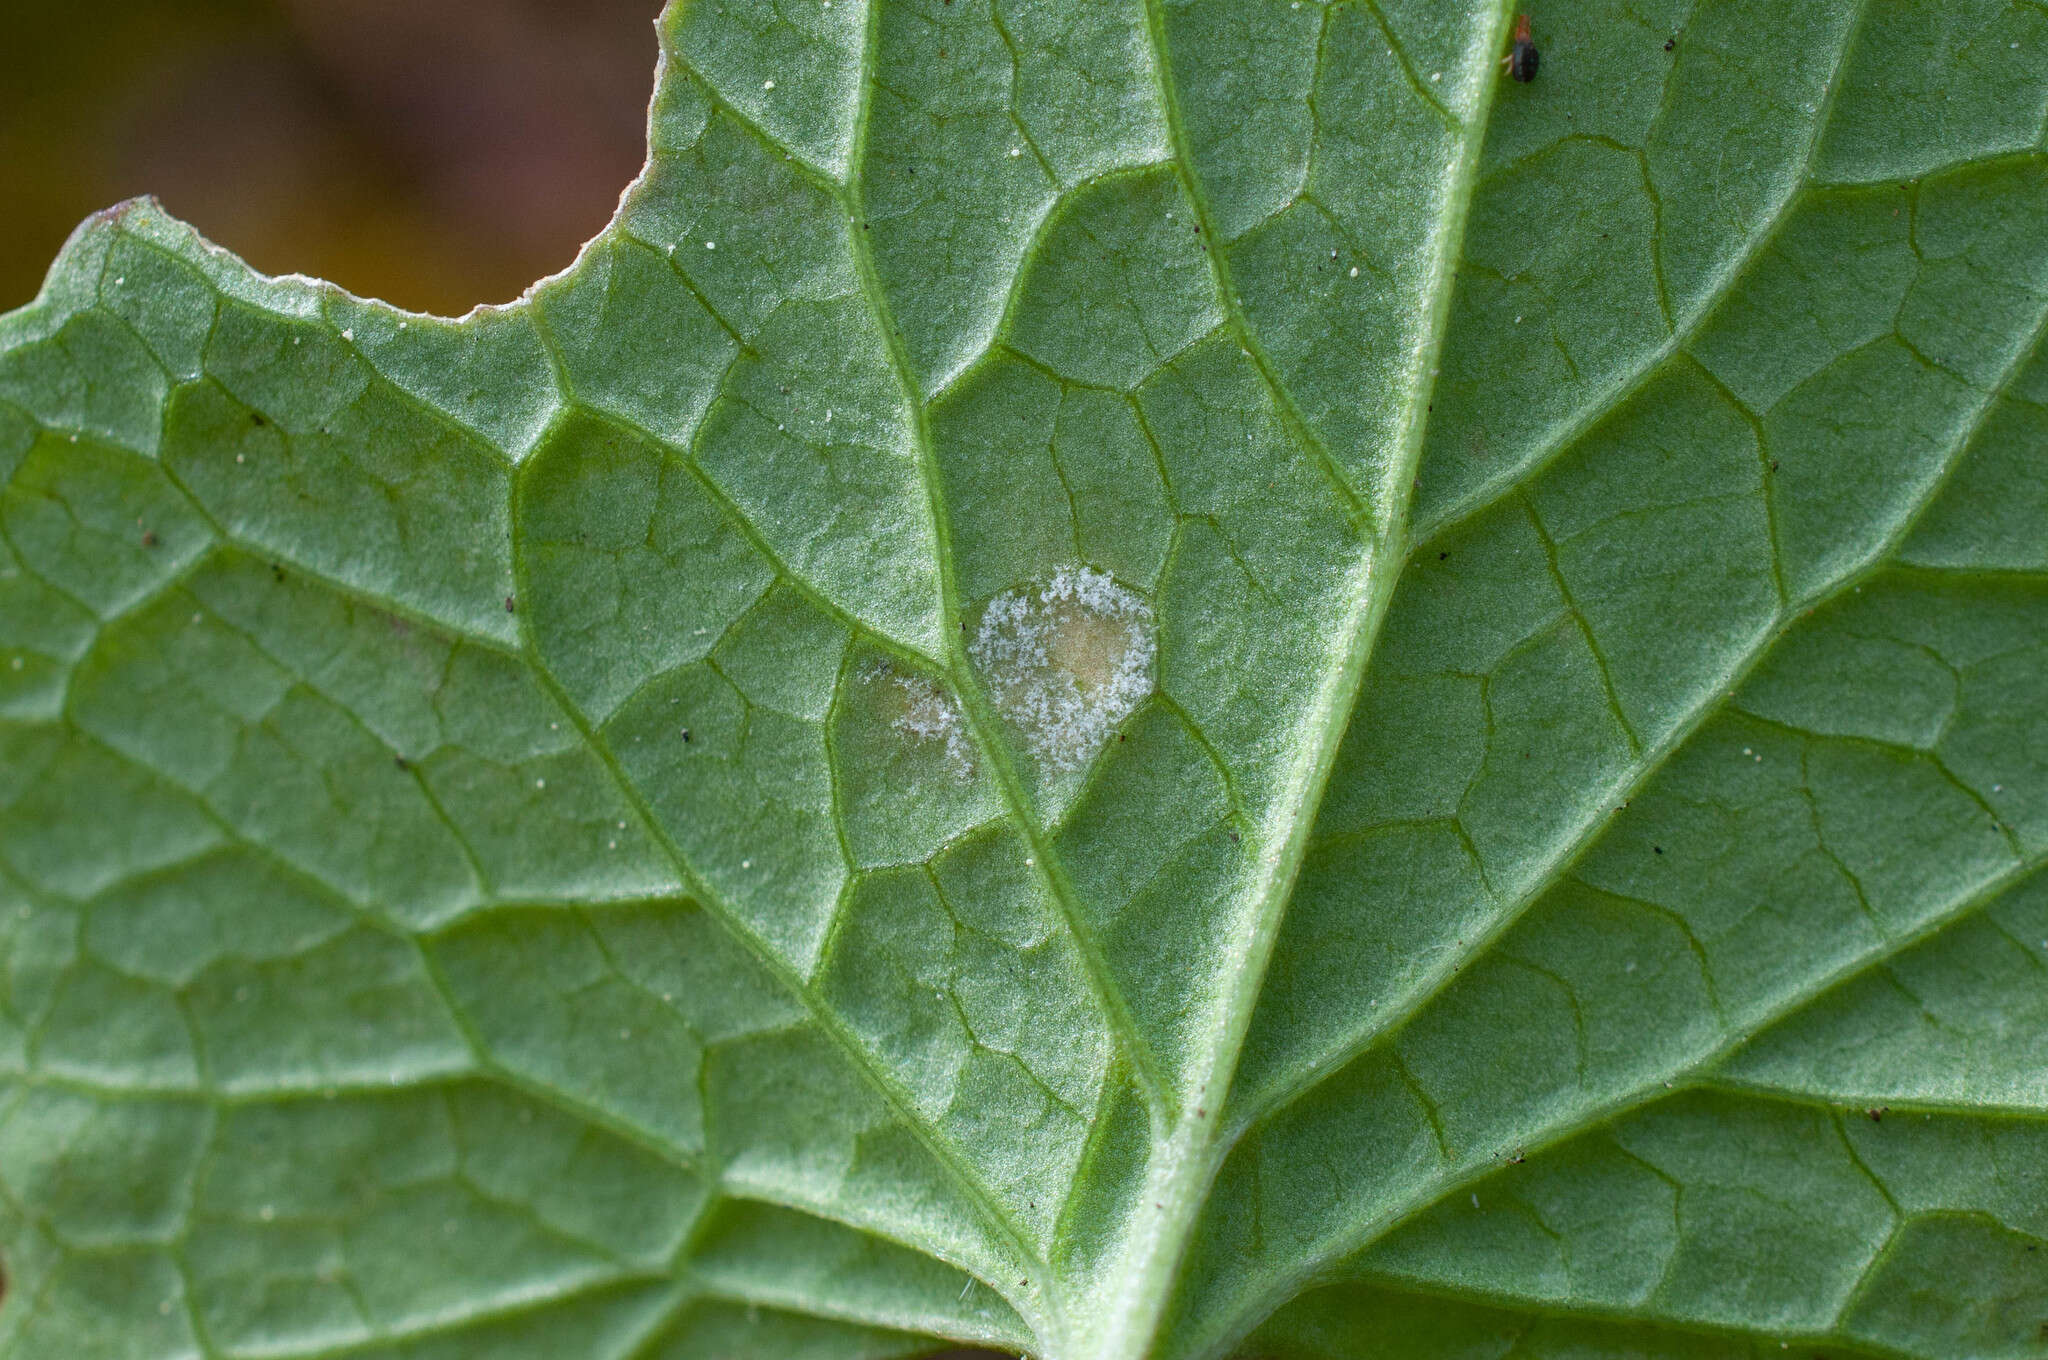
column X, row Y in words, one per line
column 1442, row 556
column 686, row 734
column 149, row 538
column 1523, row 58
column 1877, row 1112
column 277, row 572
column 511, row 605
column 1670, row 43
column 401, row 762
column 256, row 418
column 1656, row 849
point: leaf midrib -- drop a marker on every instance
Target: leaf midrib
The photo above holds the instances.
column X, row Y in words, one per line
column 1388, row 544
column 1363, row 1234
column 1327, row 1261
column 1513, row 483
column 1788, row 617
column 1193, row 1155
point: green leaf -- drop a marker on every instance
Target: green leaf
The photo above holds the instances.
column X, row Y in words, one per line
column 1155, row 678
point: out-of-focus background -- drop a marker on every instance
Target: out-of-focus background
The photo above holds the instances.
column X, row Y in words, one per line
column 434, row 153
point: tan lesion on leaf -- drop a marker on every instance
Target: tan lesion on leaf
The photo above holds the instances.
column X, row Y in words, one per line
column 1066, row 661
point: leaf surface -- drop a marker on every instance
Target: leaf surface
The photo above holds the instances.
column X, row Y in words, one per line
column 1164, row 678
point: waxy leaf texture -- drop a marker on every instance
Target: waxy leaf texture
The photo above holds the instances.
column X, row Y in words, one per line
column 1117, row 679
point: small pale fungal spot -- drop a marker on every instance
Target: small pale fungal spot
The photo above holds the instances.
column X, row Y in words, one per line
column 711, row 245
column 767, row 84
column 1067, row 661
column 931, row 714
column 1354, row 271
column 348, row 335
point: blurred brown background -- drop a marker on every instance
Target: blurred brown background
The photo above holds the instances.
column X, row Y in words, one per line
column 434, row 153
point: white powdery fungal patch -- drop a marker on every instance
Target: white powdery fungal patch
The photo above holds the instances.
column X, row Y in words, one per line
column 1067, row 662
column 931, row 714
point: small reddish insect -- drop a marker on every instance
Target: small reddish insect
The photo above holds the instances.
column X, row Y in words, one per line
column 1521, row 60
